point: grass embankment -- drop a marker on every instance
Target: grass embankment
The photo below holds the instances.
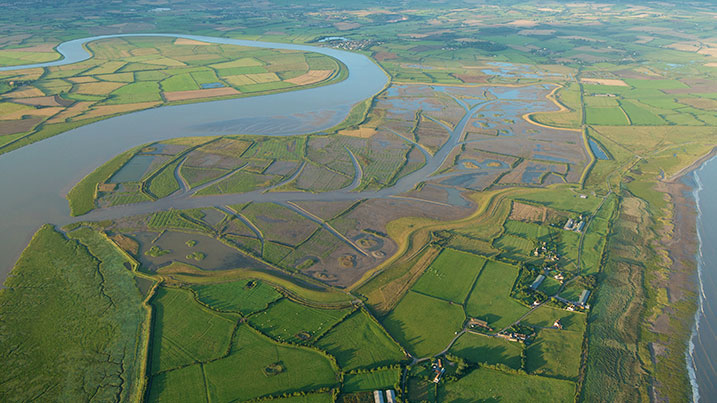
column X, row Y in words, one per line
column 82, row 196
column 310, row 293
column 70, row 323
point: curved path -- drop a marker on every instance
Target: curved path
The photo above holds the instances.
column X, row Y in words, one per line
column 34, row 179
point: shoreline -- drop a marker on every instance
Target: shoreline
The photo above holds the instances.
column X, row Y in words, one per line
column 684, row 188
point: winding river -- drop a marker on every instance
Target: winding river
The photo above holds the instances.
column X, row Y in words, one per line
column 36, row 178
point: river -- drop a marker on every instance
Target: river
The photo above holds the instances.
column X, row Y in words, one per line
column 703, row 344
column 36, row 178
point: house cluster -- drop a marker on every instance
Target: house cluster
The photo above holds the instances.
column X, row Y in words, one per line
column 350, row 44
column 543, row 250
column 575, row 225
column 513, row 336
column 387, row 396
column 438, row 370
column 474, row 323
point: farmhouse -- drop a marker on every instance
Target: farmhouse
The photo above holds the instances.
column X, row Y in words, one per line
column 378, row 396
column 390, row 396
column 474, row 322
column 557, row 324
column 438, row 370
column 537, row 282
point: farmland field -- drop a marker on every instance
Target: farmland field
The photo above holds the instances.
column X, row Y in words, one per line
column 185, row 332
column 286, row 320
column 450, row 276
column 254, row 355
column 243, row 296
column 359, row 342
column 379, row 379
column 488, row 350
column 488, row 384
column 555, row 353
column 416, row 313
column 490, row 298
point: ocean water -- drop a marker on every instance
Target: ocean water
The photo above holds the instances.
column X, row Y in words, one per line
column 702, row 350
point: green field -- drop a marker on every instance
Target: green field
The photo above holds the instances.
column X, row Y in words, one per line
column 184, row 332
column 183, row 384
column 555, row 353
column 359, row 342
column 484, row 384
column 242, row 296
column 490, row 299
column 243, row 374
column 286, row 320
column 488, row 350
column 450, row 276
column 423, row 324
column 379, row 379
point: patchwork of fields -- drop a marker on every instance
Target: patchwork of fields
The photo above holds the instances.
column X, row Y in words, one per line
column 491, row 226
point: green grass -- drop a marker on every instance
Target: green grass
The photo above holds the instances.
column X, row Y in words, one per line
column 641, row 116
column 285, row 320
column 550, row 286
column 164, row 183
column 145, row 91
column 237, row 296
column 488, row 385
column 555, row 353
column 240, row 375
column 180, row 385
column 70, row 323
column 514, row 247
column 605, row 116
column 184, row 332
column 488, row 350
column 179, row 82
column 561, row 199
column 490, row 299
column 424, row 325
column 546, row 315
column 359, row 342
column 450, row 276
column 82, row 195
column 380, row 379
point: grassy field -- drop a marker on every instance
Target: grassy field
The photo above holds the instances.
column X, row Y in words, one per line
column 69, row 323
column 242, row 296
column 379, row 379
column 253, row 356
column 411, row 320
column 488, row 350
column 183, row 384
column 359, row 342
column 490, row 299
column 484, row 384
column 545, row 316
column 555, row 353
column 286, row 320
column 450, row 276
column 184, row 332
